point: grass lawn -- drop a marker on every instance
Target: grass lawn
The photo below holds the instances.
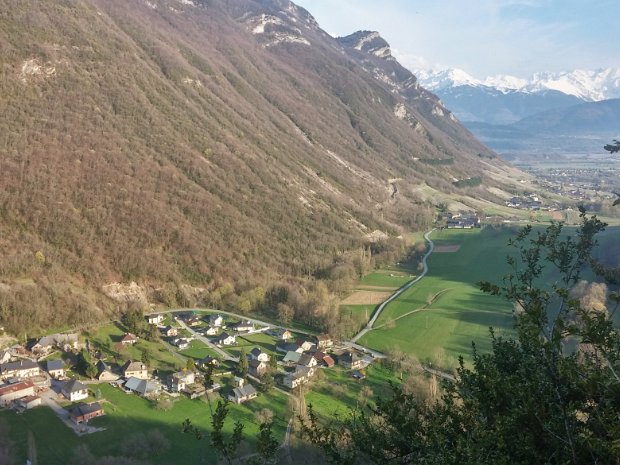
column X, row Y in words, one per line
column 199, row 350
column 390, row 279
column 263, row 341
column 127, row 415
column 454, row 311
column 338, row 392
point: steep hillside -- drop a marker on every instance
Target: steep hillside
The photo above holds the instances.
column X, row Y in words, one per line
column 200, row 142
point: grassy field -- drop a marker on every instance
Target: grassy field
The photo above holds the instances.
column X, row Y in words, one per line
column 162, row 359
column 449, row 311
column 385, row 278
column 126, row 415
column 338, row 392
column 199, row 350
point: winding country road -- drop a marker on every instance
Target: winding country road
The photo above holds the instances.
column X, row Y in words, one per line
column 369, row 325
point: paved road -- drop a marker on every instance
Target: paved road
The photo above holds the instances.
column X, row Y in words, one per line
column 286, row 445
column 49, row 398
column 267, row 324
column 399, row 291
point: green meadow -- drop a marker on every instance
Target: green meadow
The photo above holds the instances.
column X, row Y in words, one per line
column 439, row 317
column 127, row 415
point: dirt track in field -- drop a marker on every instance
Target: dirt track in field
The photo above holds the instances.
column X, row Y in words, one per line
column 366, row 298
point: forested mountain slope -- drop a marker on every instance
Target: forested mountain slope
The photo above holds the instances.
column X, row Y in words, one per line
column 200, row 142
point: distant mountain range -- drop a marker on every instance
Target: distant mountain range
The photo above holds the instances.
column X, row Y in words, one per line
column 515, row 115
column 601, row 84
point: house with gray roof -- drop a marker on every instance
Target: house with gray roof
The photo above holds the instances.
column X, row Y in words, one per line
column 83, row 412
column 19, row 369
column 55, row 368
column 143, row 387
column 225, row 339
column 74, row 390
column 258, row 354
column 307, row 360
column 242, row 393
column 292, row 357
column 135, row 369
column 105, row 373
column 257, row 368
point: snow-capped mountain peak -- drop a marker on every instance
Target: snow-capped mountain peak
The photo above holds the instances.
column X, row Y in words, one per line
column 435, row 80
column 587, row 85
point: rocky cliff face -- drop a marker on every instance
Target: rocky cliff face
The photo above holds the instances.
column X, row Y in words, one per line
column 200, row 142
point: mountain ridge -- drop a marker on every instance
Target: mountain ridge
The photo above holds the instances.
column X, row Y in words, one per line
column 587, row 85
column 220, row 146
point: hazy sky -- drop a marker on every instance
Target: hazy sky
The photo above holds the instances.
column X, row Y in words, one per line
column 484, row 37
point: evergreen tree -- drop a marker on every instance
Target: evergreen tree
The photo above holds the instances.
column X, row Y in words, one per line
column 242, row 367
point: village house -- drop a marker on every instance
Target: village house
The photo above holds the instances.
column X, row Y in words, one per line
column 216, row 321
column 155, row 318
column 29, row 402
column 284, row 334
column 305, row 346
column 351, row 360
column 11, row 392
column 105, row 373
column 283, row 346
column 208, row 361
column 257, row 368
column 74, row 390
column 324, row 341
column 170, row 331
column 48, row 344
column 258, row 354
column 462, row 220
column 242, row 326
column 193, row 321
column 129, row 339
column 195, row 390
column 135, row 369
column 180, row 380
column 301, row 375
column 19, row 369
column 42, row 347
column 83, row 412
column 327, row 360
column 143, row 387
column 181, row 343
column 291, row 357
column 55, row 368
column 307, row 360
column 212, row 331
column 243, row 392
column 224, row 339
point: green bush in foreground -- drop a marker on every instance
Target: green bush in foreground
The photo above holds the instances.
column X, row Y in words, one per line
column 530, row 400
